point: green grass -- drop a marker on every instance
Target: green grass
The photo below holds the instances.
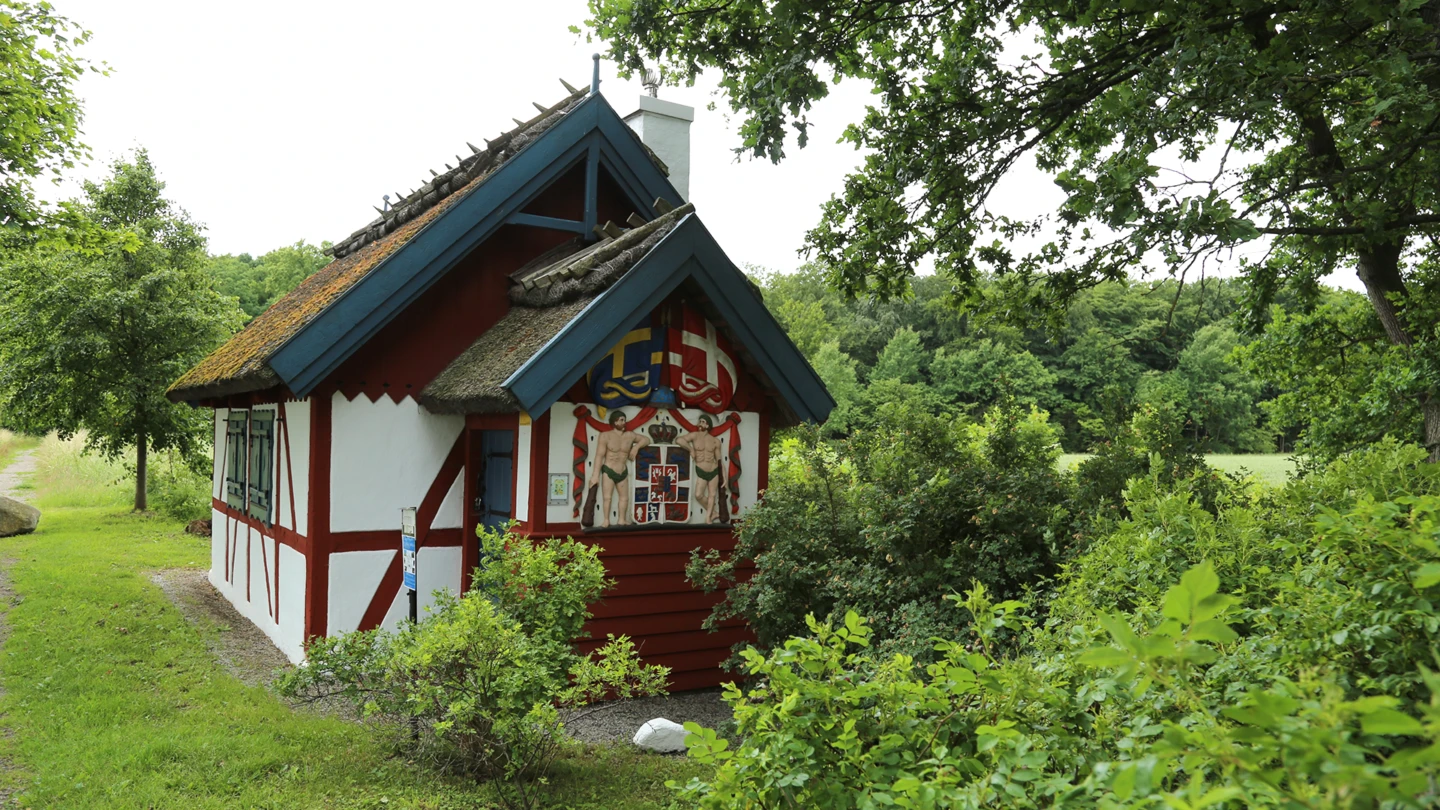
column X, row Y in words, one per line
column 1271, row 468
column 113, row 699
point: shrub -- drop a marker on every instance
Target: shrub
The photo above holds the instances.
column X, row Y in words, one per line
column 892, row 519
column 487, row 678
column 178, row 488
column 1304, row 686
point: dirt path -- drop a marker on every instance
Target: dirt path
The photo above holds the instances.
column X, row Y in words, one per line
column 10, row 480
column 10, row 477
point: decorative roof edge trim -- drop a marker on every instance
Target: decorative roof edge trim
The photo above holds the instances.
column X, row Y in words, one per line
column 688, row 251
column 312, row 354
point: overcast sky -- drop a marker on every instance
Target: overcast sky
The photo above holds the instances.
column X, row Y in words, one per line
column 273, row 122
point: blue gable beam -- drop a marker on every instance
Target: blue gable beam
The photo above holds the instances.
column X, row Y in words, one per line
column 363, row 310
column 552, row 223
column 687, row 252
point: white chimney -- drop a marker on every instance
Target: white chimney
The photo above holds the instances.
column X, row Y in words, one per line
column 664, row 126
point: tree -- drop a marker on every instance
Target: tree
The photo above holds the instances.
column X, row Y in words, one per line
column 903, row 359
column 39, row 113
column 1177, row 131
column 258, row 283
column 90, row 343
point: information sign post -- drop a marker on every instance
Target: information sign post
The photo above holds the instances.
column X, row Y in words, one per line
column 408, row 558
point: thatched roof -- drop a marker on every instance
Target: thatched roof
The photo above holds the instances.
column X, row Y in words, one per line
column 242, row 363
column 471, row 383
column 549, row 292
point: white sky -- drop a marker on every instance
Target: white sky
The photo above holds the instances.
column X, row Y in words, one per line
column 273, row 122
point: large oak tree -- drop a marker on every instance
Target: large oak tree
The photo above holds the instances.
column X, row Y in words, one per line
column 1316, row 124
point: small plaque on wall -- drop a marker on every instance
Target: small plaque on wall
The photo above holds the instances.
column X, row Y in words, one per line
column 559, row 489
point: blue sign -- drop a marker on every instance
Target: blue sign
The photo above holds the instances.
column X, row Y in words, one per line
column 407, row 546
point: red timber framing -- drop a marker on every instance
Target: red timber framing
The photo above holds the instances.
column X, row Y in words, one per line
column 652, row 601
column 242, row 520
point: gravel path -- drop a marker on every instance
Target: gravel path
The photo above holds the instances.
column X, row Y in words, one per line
column 10, row 477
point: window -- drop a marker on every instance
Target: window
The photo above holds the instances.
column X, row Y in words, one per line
column 235, row 450
column 262, row 464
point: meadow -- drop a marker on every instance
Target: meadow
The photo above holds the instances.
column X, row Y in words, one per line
column 1271, row 468
column 112, row 698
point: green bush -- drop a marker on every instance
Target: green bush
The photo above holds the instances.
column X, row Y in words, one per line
column 177, row 488
column 486, row 679
column 887, row 522
column 1305, row 686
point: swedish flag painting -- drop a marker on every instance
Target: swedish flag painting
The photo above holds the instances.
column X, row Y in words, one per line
column 631, row 371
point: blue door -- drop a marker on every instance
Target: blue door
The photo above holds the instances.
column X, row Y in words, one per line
column 494, row 472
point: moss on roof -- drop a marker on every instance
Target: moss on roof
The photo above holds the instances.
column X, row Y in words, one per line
column 472, row 383
column 242, row 363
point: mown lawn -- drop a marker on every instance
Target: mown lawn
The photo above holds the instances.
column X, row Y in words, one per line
column 1272, row 468
column 114, row 700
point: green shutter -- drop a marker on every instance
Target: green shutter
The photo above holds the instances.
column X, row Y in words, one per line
column 262, row 464
column 235, row 458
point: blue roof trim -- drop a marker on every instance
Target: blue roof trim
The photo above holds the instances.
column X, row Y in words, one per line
column 363, row 310
column 687, row 252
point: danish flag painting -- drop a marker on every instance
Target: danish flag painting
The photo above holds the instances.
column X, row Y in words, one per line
column 700, row 363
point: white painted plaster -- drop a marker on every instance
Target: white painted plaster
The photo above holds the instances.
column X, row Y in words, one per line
column 750, row 451
column 297, row 424
column 436, row 569
column 562, row 434
column 451, row 514
column 289, row 636
column 219, row 525
column 217, row 480
column 384, row 455
column 354, row 578
column 522, row 470
column 399, row 611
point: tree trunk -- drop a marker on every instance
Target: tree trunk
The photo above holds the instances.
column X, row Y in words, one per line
column 1431, row 409
column 142, row 503
column 1379, row 271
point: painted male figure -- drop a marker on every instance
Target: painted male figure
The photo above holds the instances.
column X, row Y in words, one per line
column 614, row 451
column 705, row 450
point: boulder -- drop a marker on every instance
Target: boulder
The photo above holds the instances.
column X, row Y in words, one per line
column 17, row 518
column 199, row 528
column 662, row 736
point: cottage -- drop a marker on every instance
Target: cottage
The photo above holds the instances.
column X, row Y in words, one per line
column 496, row 347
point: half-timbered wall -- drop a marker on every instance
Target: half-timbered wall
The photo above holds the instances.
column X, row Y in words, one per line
column 384, row 456
column 260, row 566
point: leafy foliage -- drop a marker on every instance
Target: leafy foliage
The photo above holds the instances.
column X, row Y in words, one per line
column 39, row 112
column 489, row 675
column 890, row 520
column 258, row 283
column 1175, row 132
column 1302, row 684
column 1120, row 344
column 91, row 343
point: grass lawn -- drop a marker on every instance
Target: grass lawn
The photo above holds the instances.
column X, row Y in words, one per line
column 114, row 700
column 1272, row 468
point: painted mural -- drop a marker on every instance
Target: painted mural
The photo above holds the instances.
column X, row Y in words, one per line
column 661, row 446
